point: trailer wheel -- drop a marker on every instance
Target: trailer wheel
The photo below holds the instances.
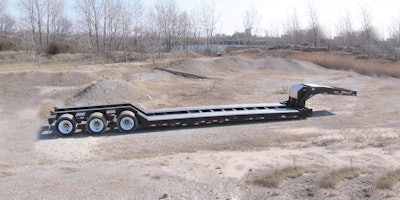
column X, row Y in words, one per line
column 127, row 121
column 96, row 123
column 65, row 125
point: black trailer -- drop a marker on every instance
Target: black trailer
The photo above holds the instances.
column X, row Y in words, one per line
column 129, row 117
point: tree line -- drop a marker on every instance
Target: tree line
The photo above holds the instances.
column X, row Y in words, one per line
column 102, row 26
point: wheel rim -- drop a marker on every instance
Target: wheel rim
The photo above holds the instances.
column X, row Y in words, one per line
column 96, row 125
column 127, row 123
column 65, row 127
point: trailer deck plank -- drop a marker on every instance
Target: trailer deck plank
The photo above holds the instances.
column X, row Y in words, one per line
column 215, row 107
column 219, row 114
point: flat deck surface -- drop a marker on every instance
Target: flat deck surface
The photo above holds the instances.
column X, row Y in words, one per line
column 192, row 112
column 218, row 111
column 213, row 107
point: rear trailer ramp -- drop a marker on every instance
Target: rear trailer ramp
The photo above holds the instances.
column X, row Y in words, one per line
column 129, row 117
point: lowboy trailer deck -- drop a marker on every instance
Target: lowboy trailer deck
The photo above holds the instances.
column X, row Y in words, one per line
column 129, row 117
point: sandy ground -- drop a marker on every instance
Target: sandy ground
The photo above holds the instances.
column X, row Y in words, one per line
column 195, row 163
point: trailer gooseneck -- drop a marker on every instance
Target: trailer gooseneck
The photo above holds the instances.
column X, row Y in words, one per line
column 129, row 117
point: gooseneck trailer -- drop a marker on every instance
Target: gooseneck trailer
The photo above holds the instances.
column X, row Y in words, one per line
column 129, row 117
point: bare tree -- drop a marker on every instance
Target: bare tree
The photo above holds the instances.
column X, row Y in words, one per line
column 345, row 28
column 7, row 25
column 3, row 7
column 106, row 15
column 292, row 27
column 395, row 28
column 108, row 23
column 152, row 34
column 45, row 20
column 130, row 20
column 89, row 18
column 184, row 30
column 126, row 23
column 251, row 21
column 7, row 22
column 395, row 37
column 137, row 9
column 366, row 26
column 167, row 15
column 111, row 13
column 53, row 9
column 32, row 11
column 274, row 33
column 195, row 29
column 314, row 23
column 63, row 28
column 209, row 20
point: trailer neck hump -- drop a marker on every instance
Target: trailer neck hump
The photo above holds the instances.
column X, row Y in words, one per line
column 300, row 93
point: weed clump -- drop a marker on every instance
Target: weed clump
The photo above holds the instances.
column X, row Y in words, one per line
column 274, row 178
column 388, row 180
column 333, row 178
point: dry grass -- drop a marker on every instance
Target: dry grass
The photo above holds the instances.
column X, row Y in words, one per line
column 274, row 178
column 388, row 180
column 333, row 178
column 348, row 62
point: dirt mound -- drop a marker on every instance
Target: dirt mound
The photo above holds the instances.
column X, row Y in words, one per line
column 26, row 88
column 43, row 78
column 250, row 52
column 154, row 76
column 180, row 54
column 107, row 90
column 236, row 64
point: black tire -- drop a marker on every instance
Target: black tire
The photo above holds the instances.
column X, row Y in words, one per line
column 96, row 123
column 65, row 125
column 127, row 122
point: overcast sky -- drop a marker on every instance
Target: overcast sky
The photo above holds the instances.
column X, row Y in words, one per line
column 275, row 12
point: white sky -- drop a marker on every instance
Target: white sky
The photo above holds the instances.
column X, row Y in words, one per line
column 274, row 13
